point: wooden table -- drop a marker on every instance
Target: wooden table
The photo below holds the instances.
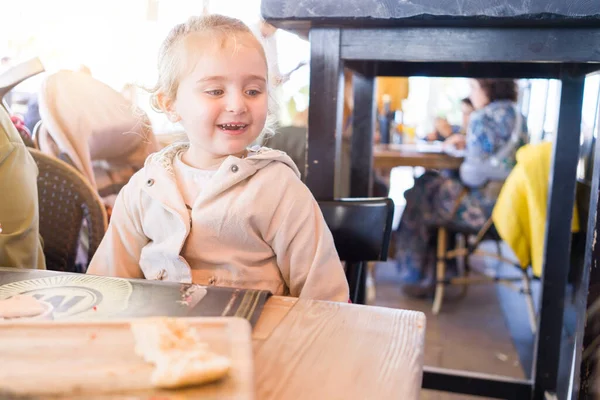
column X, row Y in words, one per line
column 306, row 349
column 303, row 349
column 549, row 39
column 389, row 156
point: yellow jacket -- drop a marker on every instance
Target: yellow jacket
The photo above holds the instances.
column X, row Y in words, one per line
column 520, row 212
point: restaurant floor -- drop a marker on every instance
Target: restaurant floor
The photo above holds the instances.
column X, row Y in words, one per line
column 471, row 333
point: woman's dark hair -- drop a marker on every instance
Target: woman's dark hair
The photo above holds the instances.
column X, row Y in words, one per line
column 499, row 89
column 467, row 101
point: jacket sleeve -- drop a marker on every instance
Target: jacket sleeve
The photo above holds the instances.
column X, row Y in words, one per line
column 119, row 252
column 304, row 247
column 20, row 245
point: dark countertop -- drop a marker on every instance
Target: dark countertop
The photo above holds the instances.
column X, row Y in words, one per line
column 299, row 15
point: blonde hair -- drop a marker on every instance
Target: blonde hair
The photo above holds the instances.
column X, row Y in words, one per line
column 170, row 65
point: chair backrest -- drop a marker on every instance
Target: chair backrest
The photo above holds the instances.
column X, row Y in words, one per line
column 361, row 228
column 67, row 202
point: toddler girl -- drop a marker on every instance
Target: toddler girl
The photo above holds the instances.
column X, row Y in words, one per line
column 213, row 211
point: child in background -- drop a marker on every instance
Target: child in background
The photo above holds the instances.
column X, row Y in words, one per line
column 213, row 211
column 442, row 130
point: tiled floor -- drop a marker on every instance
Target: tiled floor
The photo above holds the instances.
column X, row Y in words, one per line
column 469, row 333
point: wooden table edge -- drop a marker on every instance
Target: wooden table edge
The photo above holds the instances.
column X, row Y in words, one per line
column 274, row 311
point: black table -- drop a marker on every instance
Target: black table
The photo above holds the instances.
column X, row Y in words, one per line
column 464, row 38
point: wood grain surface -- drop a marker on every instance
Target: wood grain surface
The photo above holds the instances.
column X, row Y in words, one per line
column 83, row 359
column 326, row 350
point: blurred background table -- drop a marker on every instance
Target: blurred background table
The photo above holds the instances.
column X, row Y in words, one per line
column 388, row 156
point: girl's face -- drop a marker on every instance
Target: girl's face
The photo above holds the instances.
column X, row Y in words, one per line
column 478, row 96
column 222, row 101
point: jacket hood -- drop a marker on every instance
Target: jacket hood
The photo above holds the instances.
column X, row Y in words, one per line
column 258, row 157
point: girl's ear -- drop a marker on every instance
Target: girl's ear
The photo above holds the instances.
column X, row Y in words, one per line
column 168, row 107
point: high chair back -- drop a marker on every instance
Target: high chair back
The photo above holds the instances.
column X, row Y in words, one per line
column 361, row 230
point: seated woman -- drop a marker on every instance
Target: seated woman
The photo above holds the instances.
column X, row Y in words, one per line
column 496, row 130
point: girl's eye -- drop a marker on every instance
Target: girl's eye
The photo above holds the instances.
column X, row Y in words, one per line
column 216, row 92
column 252, row 92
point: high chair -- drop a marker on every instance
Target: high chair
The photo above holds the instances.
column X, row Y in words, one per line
column 361, row 230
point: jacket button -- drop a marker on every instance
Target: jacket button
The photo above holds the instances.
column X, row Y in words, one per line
column 212, row 280
column 150, row 182
column 234, row 168
column 161, row 275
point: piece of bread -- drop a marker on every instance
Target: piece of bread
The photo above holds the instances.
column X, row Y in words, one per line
column 21, row 306
column 193, row 367
column 181, row 359
column 156, row 336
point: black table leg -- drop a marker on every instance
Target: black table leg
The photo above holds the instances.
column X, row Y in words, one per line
column 357, row 277
column 324, row 112
column 363, row 125
column 561, row 198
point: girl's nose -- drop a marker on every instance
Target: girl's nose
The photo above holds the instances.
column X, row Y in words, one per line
column 236, row 104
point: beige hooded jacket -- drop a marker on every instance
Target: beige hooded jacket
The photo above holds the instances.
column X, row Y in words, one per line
column 255, row 225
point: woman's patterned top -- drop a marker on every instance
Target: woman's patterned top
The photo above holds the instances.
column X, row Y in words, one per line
column 490, row 128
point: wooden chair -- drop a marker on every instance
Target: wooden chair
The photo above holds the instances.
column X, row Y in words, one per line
column 67, row 203
column 468, row 245
column 361, row 231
